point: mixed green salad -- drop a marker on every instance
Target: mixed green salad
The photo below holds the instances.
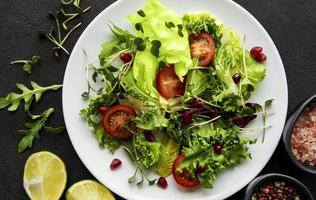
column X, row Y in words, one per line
column 174, row 95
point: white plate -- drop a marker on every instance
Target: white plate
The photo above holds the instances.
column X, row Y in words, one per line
column 98, row 160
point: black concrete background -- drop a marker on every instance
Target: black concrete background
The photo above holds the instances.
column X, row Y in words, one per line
column 290, row 23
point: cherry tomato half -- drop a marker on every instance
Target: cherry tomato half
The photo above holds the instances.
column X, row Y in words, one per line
column 116, row 118
column 169, row 84
column 202, row 46
column 184, row 179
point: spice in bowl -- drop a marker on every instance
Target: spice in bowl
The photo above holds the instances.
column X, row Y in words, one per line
column 303, row 139
column 275, row 190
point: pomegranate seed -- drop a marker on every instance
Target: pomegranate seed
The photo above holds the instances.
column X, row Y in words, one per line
column 101, row 109
column 162, row 182
column 125, row 57
column 261, row 198
column 218, row 148
column 261, row 57
column 255, row 51
column 149, row 136
column 115, row 163
column 236, row 78
column 187, row 117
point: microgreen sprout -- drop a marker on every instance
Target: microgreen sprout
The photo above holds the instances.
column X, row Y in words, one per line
column 27, row 64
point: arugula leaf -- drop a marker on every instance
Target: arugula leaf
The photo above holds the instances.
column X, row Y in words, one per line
column 34, row 128
column 13, row 100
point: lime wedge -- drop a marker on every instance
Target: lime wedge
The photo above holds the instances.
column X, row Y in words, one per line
column 88, row 190
column 45, row 176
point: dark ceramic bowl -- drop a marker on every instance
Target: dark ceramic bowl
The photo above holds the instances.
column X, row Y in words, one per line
column 287, row 132
column 302, row 190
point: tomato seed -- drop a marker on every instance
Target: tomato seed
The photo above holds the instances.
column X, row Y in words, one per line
column 125, row 57
column 115, row 163
column 162, row 182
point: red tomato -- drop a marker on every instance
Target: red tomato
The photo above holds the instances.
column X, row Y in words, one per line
column 116, row 118
column 184, row 179
column 169, row 84
column 202, row 46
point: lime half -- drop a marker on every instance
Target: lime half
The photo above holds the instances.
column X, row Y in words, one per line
column 45, row 176
column 88, row 190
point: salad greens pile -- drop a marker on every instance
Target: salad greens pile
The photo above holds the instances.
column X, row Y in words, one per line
column 212, row 111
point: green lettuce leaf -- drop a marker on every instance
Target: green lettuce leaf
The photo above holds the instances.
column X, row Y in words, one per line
column 148, row 152
column 157, row 23
column 196, row 83
column 199, row 151
column 169, row 151
column 204, row 22
column 145, row 69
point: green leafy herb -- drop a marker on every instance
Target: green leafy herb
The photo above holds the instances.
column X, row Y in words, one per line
column 155, row 46
column 141, row 13
column 263, row 109
column 180, row 28
column 27, row 64
column 203, row 22
column 34, row 128
column 139, row 27
column 13, row 100
column 140, row 44
column 130, row 149
column 170, row 25
column 62, row 18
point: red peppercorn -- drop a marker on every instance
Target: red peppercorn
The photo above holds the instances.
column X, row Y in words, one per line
column 125, row 57
column 218, row 148
column 115, row 164
column 266, row 190
column 162, row 182
column 236, row 78
column 254, row 51
column 101, row 109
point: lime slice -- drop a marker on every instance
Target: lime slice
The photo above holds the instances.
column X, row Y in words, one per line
column 88, row 190
column 45, row 176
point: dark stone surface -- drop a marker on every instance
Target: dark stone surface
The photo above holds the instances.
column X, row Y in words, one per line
column 290, row 23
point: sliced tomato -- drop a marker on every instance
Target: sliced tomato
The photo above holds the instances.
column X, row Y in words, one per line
column 202, row 46
column 168, row 83
column 116, row 119
column 184, row 179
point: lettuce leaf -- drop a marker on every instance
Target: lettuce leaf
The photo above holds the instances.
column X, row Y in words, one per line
column 145, row 69
column 169, row 151
column 148, row 152
column 157, row 23
column 200, row 153
column 204, row 22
